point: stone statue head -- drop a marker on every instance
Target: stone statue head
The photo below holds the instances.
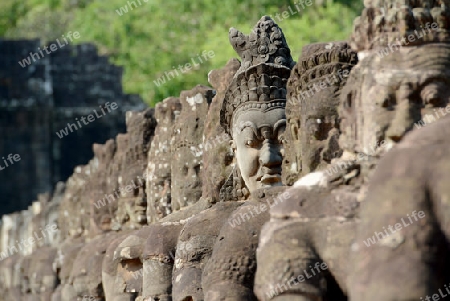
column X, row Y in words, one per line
column 313, row 97
column 187, row 146
column 186, row 175
column 73, row 214
column 132, row 203
column 158, row 180
column 403, row 73
column 217, row 154
column 253, row 111
column 102, row 187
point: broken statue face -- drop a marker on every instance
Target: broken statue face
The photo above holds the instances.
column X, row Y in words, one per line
column 397, row 93
column 136, row 212
column 186, row 178
column 131, row 213
column 258, row 145
column 319, row 132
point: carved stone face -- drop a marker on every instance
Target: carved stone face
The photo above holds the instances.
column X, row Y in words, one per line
column 318, row 134
column 131, row 213
column 396, row 93
column 139, row 209
column 313, row 134
column 257, row 143
column 186, row 181
column 136, row 211
column 158, row 170
column 159, row 187
column 158, row 181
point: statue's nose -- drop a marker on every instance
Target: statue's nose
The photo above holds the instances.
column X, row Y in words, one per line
column 270, row 155
column 141, row 202
column 403, row 121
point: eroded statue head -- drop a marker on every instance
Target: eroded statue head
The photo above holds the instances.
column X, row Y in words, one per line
column 403, row 74
column 313, row 99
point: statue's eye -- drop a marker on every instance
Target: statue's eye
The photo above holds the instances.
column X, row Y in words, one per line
column 251, row 143
column 318, row 128
column 185, row 170
column 435, row 94
column 313, row 126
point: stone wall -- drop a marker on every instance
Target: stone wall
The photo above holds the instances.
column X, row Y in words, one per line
column 94, row 203
column 39, row 100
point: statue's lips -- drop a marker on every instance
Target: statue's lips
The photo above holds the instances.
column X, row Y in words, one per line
column 270, row 179
column 140, row 209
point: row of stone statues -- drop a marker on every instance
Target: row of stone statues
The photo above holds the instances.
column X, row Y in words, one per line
column 281, row 183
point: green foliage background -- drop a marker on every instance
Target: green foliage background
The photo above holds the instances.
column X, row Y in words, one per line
column 159, row 35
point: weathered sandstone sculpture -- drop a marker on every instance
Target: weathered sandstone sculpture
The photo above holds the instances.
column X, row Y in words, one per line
column 407, row 189
column 85, row 277
column 103, row 200
column 9, row 273
column 43, row 279
column 117, row 268
column 382, row 100
column 158, row 180
column 27, row 250
column 403, row 234
column 124, row 256
column 126, row 208
column 311, row 110
column 133, row 202
column 186, row 172
column 187, row 139
column 189, row 203
column 312, row 227
column 195, row 243
column 63, row 264
column 143, row 249
column 73, row 208
column 253, row 114
column 78, row 217
column 217, row 153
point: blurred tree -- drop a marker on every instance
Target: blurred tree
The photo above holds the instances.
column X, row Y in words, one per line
column 153, row 37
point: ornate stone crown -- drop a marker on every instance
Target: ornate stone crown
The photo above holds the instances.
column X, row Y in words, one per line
column 260, row 83
column 319, row 62
column 384, row 22
column 323, row 59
